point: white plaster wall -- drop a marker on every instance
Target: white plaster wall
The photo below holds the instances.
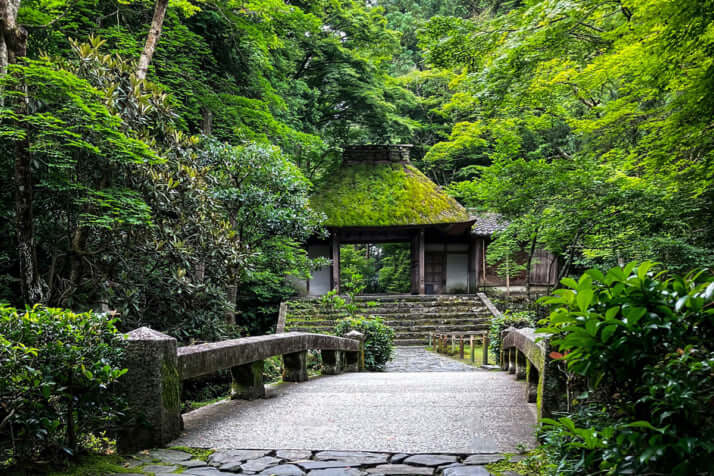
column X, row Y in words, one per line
column 457, row 272
column 320, row 281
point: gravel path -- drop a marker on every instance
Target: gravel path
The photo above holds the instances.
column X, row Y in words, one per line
column 418, row 359
column 410, row 412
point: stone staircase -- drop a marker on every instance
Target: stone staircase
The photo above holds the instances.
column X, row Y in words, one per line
column 412, row 317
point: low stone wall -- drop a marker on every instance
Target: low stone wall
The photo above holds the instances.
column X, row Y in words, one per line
column 156, row 368
column 527, row 355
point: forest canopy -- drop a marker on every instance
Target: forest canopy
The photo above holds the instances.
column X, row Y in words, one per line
column 160, row 157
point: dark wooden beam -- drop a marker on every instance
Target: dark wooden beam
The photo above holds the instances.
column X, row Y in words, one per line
column 335, row 255
column 420, row 262
column 474, row 263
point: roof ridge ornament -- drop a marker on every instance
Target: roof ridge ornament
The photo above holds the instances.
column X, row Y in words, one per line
column 377, row 153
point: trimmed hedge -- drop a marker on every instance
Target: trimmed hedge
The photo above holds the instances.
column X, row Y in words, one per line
column 56, row 370
column 378, row 343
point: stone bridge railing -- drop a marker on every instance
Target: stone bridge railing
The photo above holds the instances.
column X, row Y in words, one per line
column 156, row 367
column 528, row 357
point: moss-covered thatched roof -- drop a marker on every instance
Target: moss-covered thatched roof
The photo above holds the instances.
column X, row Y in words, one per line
column 372, row 194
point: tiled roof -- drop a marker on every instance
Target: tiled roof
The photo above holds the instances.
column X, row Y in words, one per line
column 487, row 223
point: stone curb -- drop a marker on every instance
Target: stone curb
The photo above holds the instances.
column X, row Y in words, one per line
column 162, row 462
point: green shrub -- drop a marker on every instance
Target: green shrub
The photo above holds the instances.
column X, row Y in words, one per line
column 378, row 339
column 643, row 343
column 517, row 319
column 56, row 370
column 273, row 369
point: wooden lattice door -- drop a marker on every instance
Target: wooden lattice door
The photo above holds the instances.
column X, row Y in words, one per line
column 434, row 273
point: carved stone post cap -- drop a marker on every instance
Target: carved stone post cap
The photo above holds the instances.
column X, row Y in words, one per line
column 356, row 335
column 146, row 333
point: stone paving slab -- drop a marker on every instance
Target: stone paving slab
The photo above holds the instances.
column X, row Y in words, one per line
column 324, row 463
column 400, row 412
column 418, row 359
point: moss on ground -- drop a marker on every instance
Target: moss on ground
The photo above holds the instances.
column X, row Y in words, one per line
column 94, row 465
column 198, row 453
column 195, row 405
column 384, row 194
column 532, row 463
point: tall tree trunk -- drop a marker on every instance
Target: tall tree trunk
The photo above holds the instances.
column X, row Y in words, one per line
column 13, row 45
column 13, row 38
column 152, row 38
column 206, row 121
column 508, row 278
column 30, row 281
column 529, row 266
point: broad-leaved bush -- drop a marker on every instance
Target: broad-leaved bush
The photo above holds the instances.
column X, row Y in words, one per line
column 379, row 338
column 643, row 343
column 57, row 371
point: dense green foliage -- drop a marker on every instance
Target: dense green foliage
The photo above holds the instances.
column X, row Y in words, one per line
column 133, row 211
column 57, row 369
column 517, row 319
column 137, row 216
column 372, row 269
column 585, row 123
column 642, row 342
column 378, row 339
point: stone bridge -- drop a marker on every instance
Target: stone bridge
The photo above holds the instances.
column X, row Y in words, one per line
column 424, row 403
column 529, row 359
column 156, row 368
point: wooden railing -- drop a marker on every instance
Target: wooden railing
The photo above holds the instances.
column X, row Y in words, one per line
column 446, row 343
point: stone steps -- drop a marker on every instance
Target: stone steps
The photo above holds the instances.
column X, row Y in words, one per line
column 410, row 342
column 394, row 311
column 408, row 321
column 413, row 318
column 391, row 316
column 406, row 332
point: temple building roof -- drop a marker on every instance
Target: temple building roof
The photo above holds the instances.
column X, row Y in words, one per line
column 487, row 223
column 376, row 186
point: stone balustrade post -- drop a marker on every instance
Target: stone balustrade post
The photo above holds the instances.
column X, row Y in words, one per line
column 247, row 381
column 520, row 365
column 295, row 367
column 504, row 351
column 152, row 389
column 532, row 381
column 332, row 362
column 552, row 387
column 484, row 357
column 354, row 361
